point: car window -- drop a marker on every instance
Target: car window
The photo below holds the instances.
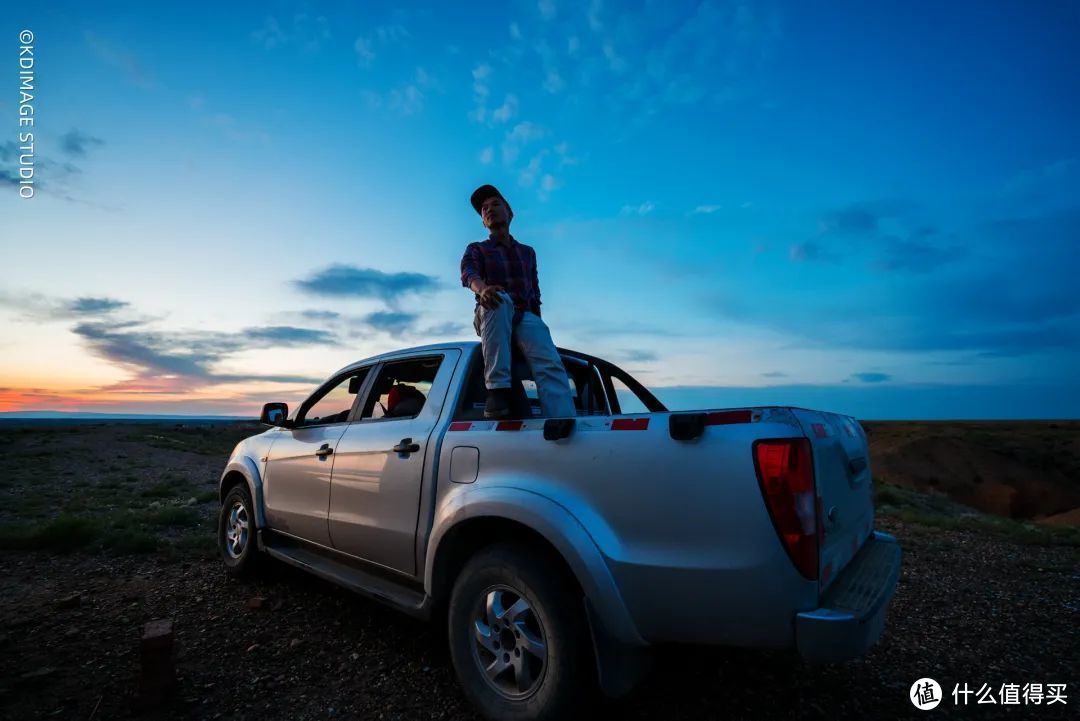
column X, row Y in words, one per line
column 628, row 400
column 401, row 389
column 335, row 402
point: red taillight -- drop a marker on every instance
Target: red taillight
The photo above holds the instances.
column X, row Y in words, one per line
column 785, row 472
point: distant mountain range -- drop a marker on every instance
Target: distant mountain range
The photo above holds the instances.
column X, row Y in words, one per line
column 116, row 416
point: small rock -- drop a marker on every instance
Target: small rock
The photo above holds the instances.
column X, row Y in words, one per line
column 72, row 633
column 294, row 643
column 192, row 501
column 355, row 656
column 70, row 601
column 256, row 602
column 252, row 647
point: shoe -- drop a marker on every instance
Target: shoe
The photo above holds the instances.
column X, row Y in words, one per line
column 498, row 403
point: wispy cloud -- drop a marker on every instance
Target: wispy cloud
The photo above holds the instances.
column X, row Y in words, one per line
column 507, row 110
column 809, row 251
column 343, row 281
column 76, row 144
column 870, row 377
column 302, row 30
column 641, row 209
column 392, row 322
column 368, row 46
column 121, row 58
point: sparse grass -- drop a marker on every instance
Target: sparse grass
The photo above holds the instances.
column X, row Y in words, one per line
column 207, row 496
column 938, row 511
column 123, row 531
column 166, row 489
column 63, row 534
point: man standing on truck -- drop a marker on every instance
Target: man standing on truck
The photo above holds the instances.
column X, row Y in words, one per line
column 502, row 273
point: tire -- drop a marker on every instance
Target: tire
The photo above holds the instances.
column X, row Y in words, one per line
column 236, row 533
column 515, row 612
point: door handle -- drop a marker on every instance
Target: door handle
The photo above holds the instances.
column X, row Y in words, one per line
column 406, row 446
column 324, row 451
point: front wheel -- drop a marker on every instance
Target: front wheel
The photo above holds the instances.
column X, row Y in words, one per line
column 236, row 533
column 518, row 636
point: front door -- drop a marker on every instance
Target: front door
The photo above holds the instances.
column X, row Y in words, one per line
column 380, row 461
column 297, row 478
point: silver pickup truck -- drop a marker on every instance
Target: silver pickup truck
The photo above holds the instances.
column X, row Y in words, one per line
column 558, row 550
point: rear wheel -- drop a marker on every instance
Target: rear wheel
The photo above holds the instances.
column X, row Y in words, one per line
column 236, row 532
column 518, row 636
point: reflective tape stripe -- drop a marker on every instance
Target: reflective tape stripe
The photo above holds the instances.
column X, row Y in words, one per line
column 509, row 425
column 719, row 418
column 630, row 424
column 459, row 426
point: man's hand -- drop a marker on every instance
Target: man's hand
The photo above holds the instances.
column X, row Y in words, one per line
column 489, row 296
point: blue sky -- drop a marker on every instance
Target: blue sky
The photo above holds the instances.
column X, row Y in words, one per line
column 871, row 210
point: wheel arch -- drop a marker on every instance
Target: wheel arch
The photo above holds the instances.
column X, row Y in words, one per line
column 243, row 470
column 483, row 516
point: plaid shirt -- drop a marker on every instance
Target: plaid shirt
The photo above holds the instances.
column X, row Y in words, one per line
column 514, row 268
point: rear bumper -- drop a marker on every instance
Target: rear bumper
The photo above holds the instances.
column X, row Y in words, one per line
column 852, row 612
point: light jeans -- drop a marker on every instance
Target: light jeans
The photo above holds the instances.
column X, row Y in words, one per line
column 534, row 340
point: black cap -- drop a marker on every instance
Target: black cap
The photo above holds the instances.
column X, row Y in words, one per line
column 483, row 193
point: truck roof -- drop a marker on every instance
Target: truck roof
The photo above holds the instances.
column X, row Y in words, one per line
column 464, row 346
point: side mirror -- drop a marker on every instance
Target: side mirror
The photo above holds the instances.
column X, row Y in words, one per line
column 275, row 414
column 354, row 384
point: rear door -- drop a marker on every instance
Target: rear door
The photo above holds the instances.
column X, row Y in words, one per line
column 844, row 488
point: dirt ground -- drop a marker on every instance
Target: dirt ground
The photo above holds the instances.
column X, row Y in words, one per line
column 971, row 607
column 1018, row 469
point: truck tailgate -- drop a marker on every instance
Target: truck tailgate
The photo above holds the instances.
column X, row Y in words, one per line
column 844, row 487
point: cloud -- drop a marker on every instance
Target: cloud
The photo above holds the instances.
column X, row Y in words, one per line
column 917, row 256
column 810, row 251
column 322, row 315
column 706, row 209
column 487, row 155
column 775, row 374
column 481, row 90
column 368, row 47
column 339, row 280
column 507, row 110
column 392, row 322
column 870, row 377
column 547, row 9
column 120, row 58
column 853, row 220
column 978, row 307
column 643, row 209
column 522, row 135
column 1031, row 180
column 288, row 336
column 445, row 330
column 303, row 31
column 39, row 307
column 76, row 144
column 94, row 306
column 865, row 217
column 187, row 355
column 639, row 355
column 528, row 175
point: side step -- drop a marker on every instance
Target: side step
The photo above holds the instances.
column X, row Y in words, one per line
column 348, row 574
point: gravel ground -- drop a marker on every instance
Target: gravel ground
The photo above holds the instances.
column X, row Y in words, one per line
column 969, row 609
